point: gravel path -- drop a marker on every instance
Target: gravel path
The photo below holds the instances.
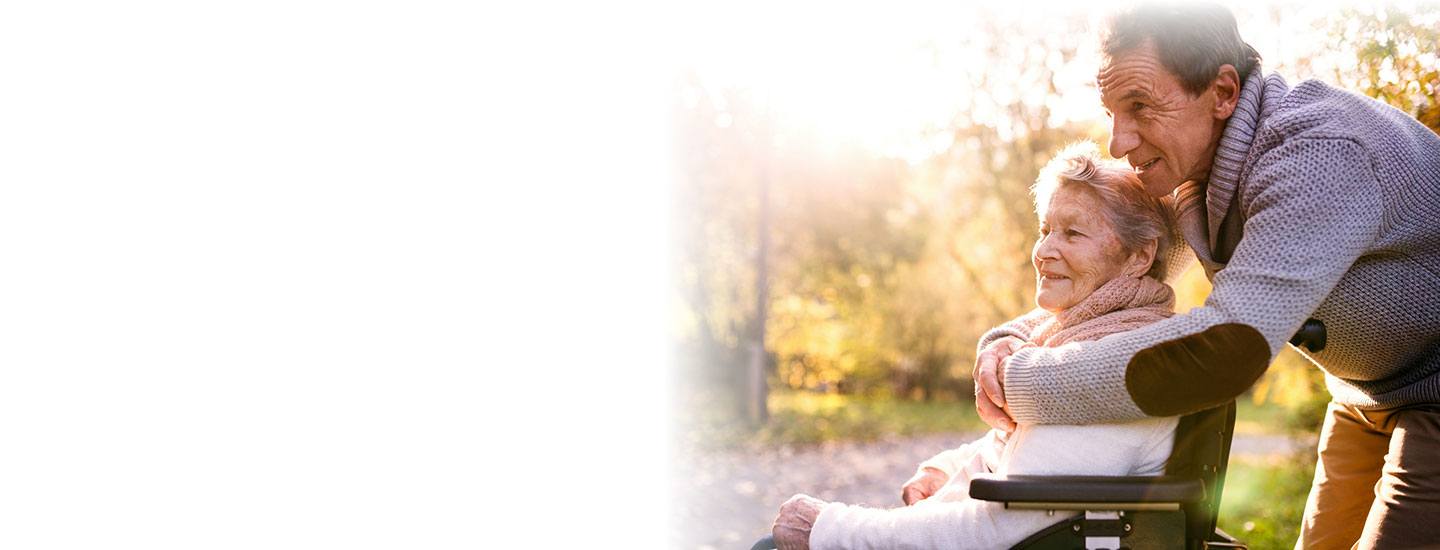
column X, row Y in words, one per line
column 727, row 500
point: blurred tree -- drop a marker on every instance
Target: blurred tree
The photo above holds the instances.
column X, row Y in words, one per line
column 883, row 273
column 713, row 230
column 1397, row 54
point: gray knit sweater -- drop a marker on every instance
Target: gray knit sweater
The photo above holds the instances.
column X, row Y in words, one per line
column 1321, row 204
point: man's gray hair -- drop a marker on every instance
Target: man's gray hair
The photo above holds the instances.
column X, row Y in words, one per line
column 1192, row 39
column 1136, row 217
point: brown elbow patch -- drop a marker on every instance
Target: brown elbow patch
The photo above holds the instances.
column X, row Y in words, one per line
column 1198, row 371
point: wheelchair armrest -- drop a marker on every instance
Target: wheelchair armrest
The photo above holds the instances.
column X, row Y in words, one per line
column 1088, row 492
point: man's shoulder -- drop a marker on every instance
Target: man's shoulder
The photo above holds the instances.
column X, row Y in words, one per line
column 1313, row 109
column 1317, row 110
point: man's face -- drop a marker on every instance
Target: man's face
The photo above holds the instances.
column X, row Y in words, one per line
column 1167, row 135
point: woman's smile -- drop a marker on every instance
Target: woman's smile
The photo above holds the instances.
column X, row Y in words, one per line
column 1052, row 279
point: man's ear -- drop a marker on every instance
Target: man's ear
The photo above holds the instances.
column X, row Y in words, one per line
column 1226, row 88
column 1140, row 260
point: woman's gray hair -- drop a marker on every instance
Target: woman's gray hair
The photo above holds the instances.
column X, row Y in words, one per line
column 1134, row 216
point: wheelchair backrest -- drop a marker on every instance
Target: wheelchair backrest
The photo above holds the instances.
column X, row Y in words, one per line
column 1202, row 450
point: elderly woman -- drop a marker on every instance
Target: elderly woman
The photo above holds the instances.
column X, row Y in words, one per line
column 1099, row 261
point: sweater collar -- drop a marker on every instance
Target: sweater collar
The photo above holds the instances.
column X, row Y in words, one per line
column 1259, row 97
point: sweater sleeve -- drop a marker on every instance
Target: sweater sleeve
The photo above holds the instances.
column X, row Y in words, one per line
column 966, row 459
column 966, row 523
column 1019, row 327
column 1312, row 208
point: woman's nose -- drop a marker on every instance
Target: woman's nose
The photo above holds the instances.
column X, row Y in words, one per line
column 1045, row 249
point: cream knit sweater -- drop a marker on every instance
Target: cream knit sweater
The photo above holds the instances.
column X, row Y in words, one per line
column 951, row 519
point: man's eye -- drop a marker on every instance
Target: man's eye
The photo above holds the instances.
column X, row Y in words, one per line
column 1073, row 233
column 1136, row 107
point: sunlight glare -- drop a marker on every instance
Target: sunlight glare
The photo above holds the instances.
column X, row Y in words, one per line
column 894, row 81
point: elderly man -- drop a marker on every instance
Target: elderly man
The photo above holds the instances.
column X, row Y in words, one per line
column 1307, row 206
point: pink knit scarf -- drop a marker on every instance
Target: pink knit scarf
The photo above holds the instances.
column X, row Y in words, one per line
column 1124, row 303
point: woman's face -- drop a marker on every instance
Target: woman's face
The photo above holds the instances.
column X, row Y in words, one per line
column 1077, row 251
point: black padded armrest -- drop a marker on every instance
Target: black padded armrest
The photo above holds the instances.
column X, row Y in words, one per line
column 1100, row 489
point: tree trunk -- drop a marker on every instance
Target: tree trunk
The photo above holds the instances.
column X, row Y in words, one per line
column 758, row 411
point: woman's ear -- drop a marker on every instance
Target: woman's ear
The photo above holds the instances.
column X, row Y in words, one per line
column 1140, row 260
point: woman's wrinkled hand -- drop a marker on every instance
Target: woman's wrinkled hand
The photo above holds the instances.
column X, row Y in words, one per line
column 924, row 485
column 792, row 526
column 989, row 381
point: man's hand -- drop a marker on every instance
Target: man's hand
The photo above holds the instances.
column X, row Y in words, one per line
column 924, row 485
column 989, row 381
column 792, row 526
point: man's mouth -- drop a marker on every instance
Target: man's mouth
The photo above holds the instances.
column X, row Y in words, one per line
column 1147, row 164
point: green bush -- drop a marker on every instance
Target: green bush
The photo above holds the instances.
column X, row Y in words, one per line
column 1264, row 500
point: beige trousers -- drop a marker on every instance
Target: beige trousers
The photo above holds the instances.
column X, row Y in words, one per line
column 1377, row 481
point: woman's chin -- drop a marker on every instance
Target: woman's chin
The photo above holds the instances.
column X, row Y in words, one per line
column 1048, row 304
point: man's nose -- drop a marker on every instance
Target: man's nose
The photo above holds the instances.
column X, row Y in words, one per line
column 1123, row 138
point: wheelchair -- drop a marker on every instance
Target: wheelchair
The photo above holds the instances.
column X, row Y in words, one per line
column 1175, row 510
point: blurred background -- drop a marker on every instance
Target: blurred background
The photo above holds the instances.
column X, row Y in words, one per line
column 853, row 213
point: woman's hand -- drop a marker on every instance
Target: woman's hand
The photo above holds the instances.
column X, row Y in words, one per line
column 924, row 485
column 989, row 381
column 792, row 526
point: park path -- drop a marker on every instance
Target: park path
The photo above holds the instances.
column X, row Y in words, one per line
column 725, row 500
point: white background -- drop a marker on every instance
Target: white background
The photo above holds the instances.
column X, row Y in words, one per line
column 330, row 275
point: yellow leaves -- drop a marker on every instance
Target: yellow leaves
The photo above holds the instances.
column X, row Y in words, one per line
column 1397, row 58
column 1191, row 288
column 812, row 340
column 1292, row 380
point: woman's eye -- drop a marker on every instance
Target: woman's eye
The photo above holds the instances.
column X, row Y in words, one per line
column 1073, row 233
